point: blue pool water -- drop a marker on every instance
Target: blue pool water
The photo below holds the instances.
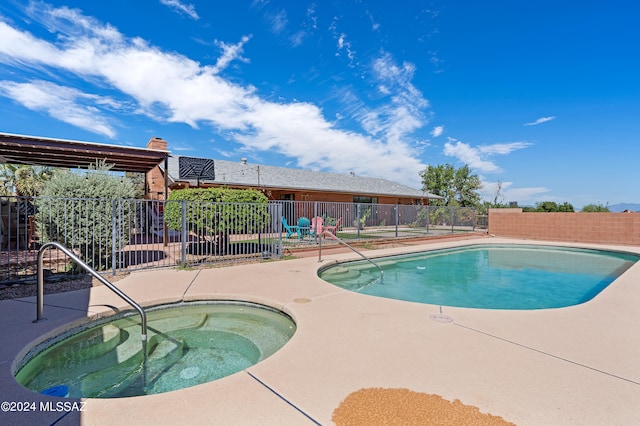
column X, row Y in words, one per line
column 188, row 344
column 487, row 276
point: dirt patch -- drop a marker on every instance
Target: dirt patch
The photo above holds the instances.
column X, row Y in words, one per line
column 403, row 407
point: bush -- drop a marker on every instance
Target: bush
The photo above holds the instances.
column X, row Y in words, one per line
column 218, row 210
column 77, row 210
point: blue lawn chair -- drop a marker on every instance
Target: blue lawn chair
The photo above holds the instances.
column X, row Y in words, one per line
column 304, row 227
column 291, row 229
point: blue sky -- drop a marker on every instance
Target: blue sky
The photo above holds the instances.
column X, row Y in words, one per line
column 542, row 97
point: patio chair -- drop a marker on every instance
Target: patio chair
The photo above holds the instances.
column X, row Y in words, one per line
column 333, row 229
column 304, row 227
column 316, row 226
column 291, row 229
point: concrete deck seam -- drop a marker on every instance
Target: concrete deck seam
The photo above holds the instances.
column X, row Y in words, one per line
column 284, row 399
column 549, row 354
column 60, row 418
column 186, row 290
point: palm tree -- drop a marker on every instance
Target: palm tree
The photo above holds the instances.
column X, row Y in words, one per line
column 23, row 180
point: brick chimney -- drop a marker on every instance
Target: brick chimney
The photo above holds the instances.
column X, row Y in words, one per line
column 154, row 188
column 157, row 143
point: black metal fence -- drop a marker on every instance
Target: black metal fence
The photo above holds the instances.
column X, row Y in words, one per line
column 113, row 235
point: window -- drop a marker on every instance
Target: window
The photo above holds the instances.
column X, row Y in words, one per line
column 368, row 214
column 365, row 200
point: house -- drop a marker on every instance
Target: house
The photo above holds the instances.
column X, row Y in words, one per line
column 277, row 183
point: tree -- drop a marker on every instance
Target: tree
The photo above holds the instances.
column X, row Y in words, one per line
column 23, row 180
column 498, row 197
column 596, row 208
column 547, row 206
column 566, row 207
column 498, row 201
column 552, row 206
column 458, row 187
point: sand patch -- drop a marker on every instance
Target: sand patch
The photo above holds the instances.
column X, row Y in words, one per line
column 403, row 407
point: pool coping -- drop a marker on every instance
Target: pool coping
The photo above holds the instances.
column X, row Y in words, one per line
column 574, row 365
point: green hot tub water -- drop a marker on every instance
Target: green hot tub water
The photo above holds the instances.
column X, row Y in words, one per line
column 188, row 344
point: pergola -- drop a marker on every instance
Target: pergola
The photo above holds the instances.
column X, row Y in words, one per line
column 50, row 152
column 40, row 151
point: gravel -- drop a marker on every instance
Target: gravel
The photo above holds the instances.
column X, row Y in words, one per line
column 27, row 289
column 402, row 407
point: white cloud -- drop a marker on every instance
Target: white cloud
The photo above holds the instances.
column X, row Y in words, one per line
column 65, row 104
column 278, row 21
column 437, row 131
column 169, row 87
column 468, row 155
column 527, row 196
column 404, row 112
column 230, row 52
column 186, row 9
column 345, row 45
column 297, row 39
column 312, row 16
column 540, row 121
column 477, row 157
column 523, row 196
column 502, row 148
column 375, row 26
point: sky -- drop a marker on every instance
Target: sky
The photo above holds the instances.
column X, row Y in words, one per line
column 540, row 99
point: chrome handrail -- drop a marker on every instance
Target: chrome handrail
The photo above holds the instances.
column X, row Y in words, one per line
column 90, row 270
column 333, row 236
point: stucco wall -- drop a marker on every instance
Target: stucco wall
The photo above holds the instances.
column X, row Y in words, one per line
column 612, row 228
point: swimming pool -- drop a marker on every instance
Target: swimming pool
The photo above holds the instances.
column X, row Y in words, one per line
column 487, row 276
column 188, row 344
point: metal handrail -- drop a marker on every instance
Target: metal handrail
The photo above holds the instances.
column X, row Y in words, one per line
column 333, row 236
column 90, row 270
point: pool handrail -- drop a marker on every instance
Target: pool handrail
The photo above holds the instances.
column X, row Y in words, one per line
column 90, row 270
column 333, row 236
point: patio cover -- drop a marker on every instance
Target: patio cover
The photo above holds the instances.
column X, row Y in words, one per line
column 35, row 150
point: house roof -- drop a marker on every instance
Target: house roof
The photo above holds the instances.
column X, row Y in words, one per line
column 36, row 150
column 271, row 177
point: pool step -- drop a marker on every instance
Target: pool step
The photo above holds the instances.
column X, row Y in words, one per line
column 87, row 346
column 128, row 372
column 163, row 325
column 158, row 330
column 340, row 273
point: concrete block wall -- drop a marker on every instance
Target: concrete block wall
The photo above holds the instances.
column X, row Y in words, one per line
column 609, row 228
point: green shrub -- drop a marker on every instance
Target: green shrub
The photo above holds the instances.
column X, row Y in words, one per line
column 77, row 210
column 218, row 210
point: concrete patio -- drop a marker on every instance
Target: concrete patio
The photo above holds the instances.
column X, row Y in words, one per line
column 572, row 366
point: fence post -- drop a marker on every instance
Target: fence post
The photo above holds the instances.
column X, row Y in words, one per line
column 276, row 224
column 358, row 223
column 428, row 217
column 113, row 236
column 395, row 208
column 453, row 218
column 473, row 218
column 184, row 231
